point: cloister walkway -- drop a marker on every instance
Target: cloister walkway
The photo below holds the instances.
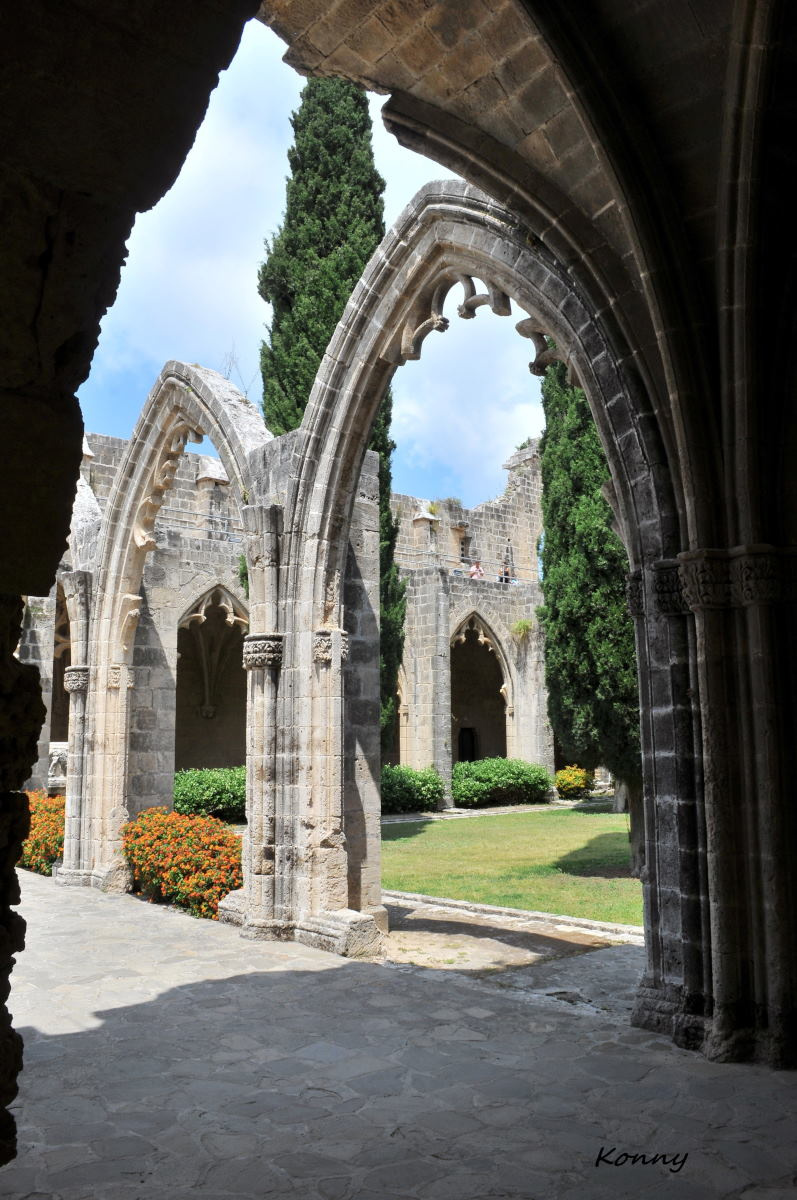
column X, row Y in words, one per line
column 169, row 1057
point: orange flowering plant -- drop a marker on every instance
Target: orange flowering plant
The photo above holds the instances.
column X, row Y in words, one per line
column 191, row 862
column 45, row 842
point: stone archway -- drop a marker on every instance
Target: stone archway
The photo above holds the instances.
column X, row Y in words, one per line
column 482, row 707
column 450, row 236
column 185, row 404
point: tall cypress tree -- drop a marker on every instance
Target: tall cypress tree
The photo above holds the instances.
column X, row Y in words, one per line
column 590, row 660
column 333, row 223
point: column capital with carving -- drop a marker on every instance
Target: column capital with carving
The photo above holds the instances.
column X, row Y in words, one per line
column 76, row 679
column 323, row 644
column 262, row 650
column 739, row 577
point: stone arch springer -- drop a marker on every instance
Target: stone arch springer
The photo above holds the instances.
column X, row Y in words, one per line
column 185, row 404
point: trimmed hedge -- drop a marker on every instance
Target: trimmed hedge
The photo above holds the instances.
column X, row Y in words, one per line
column 574, row 783
column 45, row 842
column 405, row 789
column 212, row 792
column 192, row 862
column 498, row 781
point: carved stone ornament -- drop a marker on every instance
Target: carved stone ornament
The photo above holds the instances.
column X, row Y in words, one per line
column 76, row 679
column 635, row 594
column 162, row 480
column 114, row 677
column 668, row 593
column 738, row 578
column 322, row 645
column 545, row 354
column 473, row 624
column 415, row 329
column 262, row 650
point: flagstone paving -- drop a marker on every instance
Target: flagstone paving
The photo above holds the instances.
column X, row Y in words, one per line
column 169, row 1057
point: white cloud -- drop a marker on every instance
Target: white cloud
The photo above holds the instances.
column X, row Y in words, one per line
column 462, row 409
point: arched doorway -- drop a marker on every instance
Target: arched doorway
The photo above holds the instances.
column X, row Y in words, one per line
column 478, row 695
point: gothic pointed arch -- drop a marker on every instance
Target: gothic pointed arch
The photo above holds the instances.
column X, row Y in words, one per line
column 186, row 404
column 453, row 236
column 487, row 637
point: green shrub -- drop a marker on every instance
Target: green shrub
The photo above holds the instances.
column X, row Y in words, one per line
column 574, row 783
column 45, row 842
column 190, row 861
column 212, row 792
column 405, row 789
column 499, row 781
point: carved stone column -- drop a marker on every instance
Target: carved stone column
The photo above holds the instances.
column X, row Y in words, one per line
column 76, row 683
column 22, row 714
column 744, row 601
column 252, row 906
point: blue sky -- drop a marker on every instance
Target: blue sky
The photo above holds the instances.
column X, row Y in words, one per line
column 189, row 292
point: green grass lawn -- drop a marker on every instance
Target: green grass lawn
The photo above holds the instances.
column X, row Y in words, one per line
column 573, row 863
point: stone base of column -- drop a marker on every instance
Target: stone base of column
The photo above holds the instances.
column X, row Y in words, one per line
column 379, row 914
column 661, row 1009
column 114, row 877
column 232, row 908
column 71, row 877
column 345, row 932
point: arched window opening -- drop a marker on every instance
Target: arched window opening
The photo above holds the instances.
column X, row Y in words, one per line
column 210, row 729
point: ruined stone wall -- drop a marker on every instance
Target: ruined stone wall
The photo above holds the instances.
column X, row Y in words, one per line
column 198, row 536
column 437, row 542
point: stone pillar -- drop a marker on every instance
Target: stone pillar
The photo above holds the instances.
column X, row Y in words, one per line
column 252, row 906
column 76, row 682
column 326, row 921
column 77, row 593
column 668, row 830
column 441, row 684
column 745, row 606
column 22, row 713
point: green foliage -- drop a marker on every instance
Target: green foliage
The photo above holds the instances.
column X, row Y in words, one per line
column 521, row 630
column 573, row 783
column 333, row 223
column 590, row 662
column 243, row 574
column 498, row 781
column 212, row 792
column 405, row 789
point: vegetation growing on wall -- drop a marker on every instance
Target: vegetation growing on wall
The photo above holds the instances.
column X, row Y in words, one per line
column 333, row 223
column 590, row 660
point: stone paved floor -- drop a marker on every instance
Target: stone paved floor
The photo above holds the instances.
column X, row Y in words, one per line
column 168, row 1057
